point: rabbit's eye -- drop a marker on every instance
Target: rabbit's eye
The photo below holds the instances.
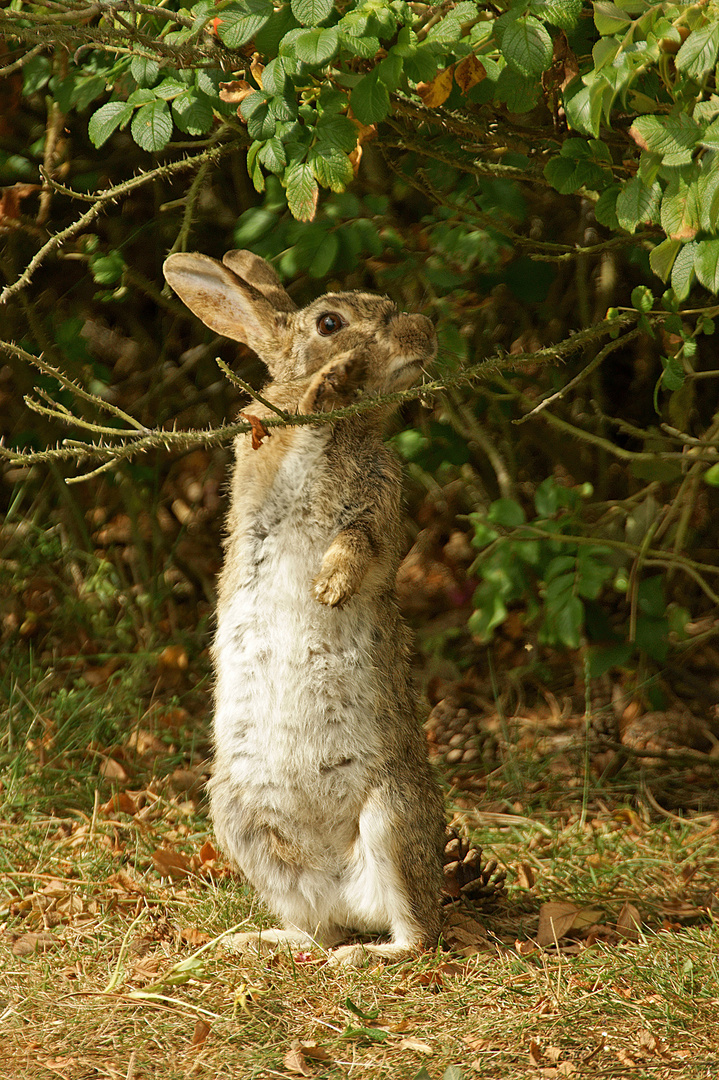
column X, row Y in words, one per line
column 329, row 323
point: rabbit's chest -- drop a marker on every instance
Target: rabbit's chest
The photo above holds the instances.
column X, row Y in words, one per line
column 296, row 686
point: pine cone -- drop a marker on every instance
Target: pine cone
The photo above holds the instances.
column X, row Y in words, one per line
column 466, row 877
column 457, row 736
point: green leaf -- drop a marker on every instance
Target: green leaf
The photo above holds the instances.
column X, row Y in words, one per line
column 567, row 621
column 674, row 137
column 107, row 118
column 370, row 99
column 35, row 74
column 453, row 1072
column 311, row 12
column 390, row 70
column 336, row 131
column 605, row 209
column 706, row 264
column 267, row 40
column 145, row 72
column 273, row 156
column 661, row 258
column 673, row 375
column 141, row 97
column 527, row 46
column 583, row 105
column 711, row 476
column 638, row 204
column 192, row 112
column 331, row 167
column 169, row 88
column 302, row 192
column 364, row 47
column 107, row 269
column 642, row 298
column 562, row 13
column 610, row 19
column 238, row 23
column 679, row 214
column 506, row 512
column 517, row 91
column 708, row 193
column 683, row 270
column 316, row 47
column 699, row 52
column 568, row 174
column 152, row 126
column 422, row 65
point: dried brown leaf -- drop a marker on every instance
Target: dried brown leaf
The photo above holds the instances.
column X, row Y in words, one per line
column 436, row 92
column 202, row 1030
column 469, row 72
column 259, row 431
column 525, row 876
column 235, row 91
column 172, row 864
column 295, row 1062
column 416, row 1045
column 556, row 919
column 28, row 944
column 629, row 922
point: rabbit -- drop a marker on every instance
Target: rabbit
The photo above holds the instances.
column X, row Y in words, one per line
column 322, row 793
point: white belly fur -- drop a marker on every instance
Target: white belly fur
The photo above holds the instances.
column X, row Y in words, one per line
column 296, row 695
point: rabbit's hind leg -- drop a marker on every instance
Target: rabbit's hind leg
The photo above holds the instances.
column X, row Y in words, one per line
column 393, row 881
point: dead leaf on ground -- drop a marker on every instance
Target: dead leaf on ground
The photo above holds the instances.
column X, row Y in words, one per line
column 122, row 803
column 465, row 935
column 629, row 922
column 113, row 770
column 172, row 864
column 416, row 1045
column 199, row 1035
column 259, row 431
column 436, row 92
column 193, row 936
column 556, row 918
column 29, row 944
column 295, row 1060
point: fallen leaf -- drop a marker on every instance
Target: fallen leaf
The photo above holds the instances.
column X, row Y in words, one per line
column 208, row 852
column 193, row 936
column 295, row 1062
column 436, row 92
column 259, row 431
column 469, row 72
column 202, row 1030
column 525, row 948
column 416, row 1045
column 29, row 944
column 113, row 770
column 629, row 922
column 556, row 919
column 172, row 864
column 535, row 1053
column 121, row 803
column 567, row 1068
column 313, row 1051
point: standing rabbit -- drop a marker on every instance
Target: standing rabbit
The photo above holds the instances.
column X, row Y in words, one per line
column 322, row 793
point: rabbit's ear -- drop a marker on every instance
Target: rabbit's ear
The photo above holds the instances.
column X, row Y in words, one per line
column 259, row 273
column 225, row 302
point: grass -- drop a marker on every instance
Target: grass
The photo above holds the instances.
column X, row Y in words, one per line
column 112, row 905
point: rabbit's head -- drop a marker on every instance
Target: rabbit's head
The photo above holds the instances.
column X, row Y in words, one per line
column 242, row 298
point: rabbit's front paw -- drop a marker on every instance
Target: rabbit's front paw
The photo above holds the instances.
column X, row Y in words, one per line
column 339, row 380
column 332, row 586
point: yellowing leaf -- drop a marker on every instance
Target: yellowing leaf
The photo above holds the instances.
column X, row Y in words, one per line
column 469, row 72
column 435, row 93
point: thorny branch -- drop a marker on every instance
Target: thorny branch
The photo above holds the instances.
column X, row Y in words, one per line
column 142, row 439
column 212, row 154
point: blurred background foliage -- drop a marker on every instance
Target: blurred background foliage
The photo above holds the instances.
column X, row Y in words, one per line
column 522, row 172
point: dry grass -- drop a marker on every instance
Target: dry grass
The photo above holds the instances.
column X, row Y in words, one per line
column 93, row 936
